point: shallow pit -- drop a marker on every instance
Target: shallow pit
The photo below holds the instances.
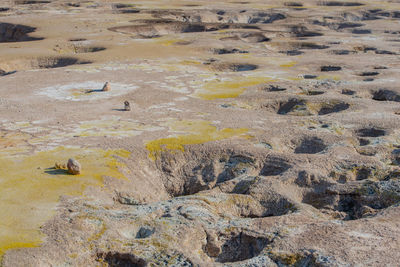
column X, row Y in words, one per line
column 368, row 73
column 89, row 49
column 223, row 51
column 31, row 2
column 241, row 247
column 16, row 33
column 157, row 28
column 310, row 145
column 330, row 68
column 119, row 259
column 39, row 63
column 302, row 107
column 55, row 62
column 234, row 67
column 274, row 88
column 371, row 132
column 254, row 37
column 338, row 3
column 364, row 198
column 274, row 166
column 293, row 4
column 386, row 95
column 308, row 45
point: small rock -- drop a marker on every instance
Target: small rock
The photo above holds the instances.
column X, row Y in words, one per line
column 74, row 167
column 106, row 87
column 127, row 106
column 144, row 232
column 213, row 246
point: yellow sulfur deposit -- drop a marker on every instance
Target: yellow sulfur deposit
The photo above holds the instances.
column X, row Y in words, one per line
column 229, row 89
column 198, row 132
column 30, row 189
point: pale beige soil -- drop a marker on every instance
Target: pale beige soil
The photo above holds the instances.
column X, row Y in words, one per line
column 261, row 133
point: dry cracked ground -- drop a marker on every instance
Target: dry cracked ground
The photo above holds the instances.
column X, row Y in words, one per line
column 261, row 133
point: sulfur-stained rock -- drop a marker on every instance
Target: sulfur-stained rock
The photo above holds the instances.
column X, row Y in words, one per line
column 127, row 106
column 213, row 246
column 106, row 87
column 59, row 166
column 74, row 167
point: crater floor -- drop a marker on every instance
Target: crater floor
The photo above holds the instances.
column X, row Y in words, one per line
column 260, row 133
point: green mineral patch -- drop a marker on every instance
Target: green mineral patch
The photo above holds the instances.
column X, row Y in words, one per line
column 30, row 188
column 198, row 132
column 229, row 89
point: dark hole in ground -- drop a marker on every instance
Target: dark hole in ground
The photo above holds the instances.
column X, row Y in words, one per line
column 77, row 39
column 371, row 132
column 341, row 52
column 333, row 107
column 274, row 166
column 274, row 88
column 338, row 3
column 309, row 76
column 254, row 37
column 126, row 11
column 311, row 145
column 157, row 28
column 363, row 173
column 124, row 8
column 384, row 52
column 293, row 4
column 198, row 174
column 348, row 92
column 364, row 198
column 364, row 142
column 242, row 67
column 345, row 25
column 361, row 31
column 57, row 62
column 291, row 104
column 4, row 9
column 30, row 2
column 73, row 4
column 292, row 52
column 223, row 51
column 312, row 92
column 302, row 31
column 5, row 73
column 330, row 68
column 119, row 5
column 117, row 259
column 16, row 33
column 311, row 46
column 88, row 49
column 369, row 73
column 235, row 166
column 241, row 247
column 386, row 95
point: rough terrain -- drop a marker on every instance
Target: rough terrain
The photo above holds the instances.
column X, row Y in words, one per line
column 260, row 133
